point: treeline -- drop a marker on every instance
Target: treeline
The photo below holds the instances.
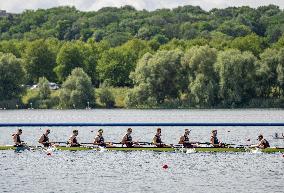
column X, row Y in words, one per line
column 185, row 57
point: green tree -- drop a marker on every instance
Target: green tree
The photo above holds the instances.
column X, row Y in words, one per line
column 270, row 71
column 236, row 72
column 267, row 73
column 115, row 64
column 234, row 29
column 106, row 97
column 202, row 80
column 39, row 61
column 11, row 76
column 158, row 76
column 68, row 58
column 77, row 91
column 43, row 88
column 252, row 43
column 280, row 71
column 10, row 47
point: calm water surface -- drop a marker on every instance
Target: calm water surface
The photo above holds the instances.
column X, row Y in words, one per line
column 91, row 171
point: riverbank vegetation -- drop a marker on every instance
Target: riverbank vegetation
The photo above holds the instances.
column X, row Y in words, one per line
column 120, row 57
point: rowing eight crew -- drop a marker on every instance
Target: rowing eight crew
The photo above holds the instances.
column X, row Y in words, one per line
column 128, row 142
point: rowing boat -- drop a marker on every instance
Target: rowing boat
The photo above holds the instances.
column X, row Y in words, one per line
column 158, row 149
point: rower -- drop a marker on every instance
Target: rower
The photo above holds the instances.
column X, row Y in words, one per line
column 263, row 143
column 214, row 139
column 73, row 140
column 99, row 139
column 127, row 139
column 184, row 139
column 157, row 139
column 44, row 140
column 17, row 140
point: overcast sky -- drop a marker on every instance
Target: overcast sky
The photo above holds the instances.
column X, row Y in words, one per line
column 17, row 6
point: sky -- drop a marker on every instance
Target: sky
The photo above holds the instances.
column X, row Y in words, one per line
column 17, row 6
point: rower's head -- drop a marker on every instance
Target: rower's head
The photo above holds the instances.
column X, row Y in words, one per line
column 129, row 130
column 19, row 131
column 47, row 131
column 159, row 130
column 100, row 131
column 214, row 132
column 186, row 131
column 260, row 137
column 75, row 132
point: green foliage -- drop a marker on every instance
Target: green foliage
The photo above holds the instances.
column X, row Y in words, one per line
column 110, row 43
column 77, row 91
column 11, row 76
column 10, row 47
column 32, row 98
column 39, row 61
column 156, row 78
column 236, row 72
column 43, row 87
column 252, row 43
column 202, row 80
column 106, row 97
column 267, row 73
column 68, row 58
column 116, row 64
column 234, row 29
column 280, row 72
column 76, row 54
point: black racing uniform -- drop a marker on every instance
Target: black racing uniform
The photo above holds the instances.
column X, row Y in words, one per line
column 129, row 142
column 75, row 142
column 18, row 140
column 45, row 141
column 265, row 143
column 101, row 141
column 158, row 141
column 186, row 143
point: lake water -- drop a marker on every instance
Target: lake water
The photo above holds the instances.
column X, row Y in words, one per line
column 90, row 171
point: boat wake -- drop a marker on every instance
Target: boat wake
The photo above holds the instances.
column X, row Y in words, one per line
column 190, row 150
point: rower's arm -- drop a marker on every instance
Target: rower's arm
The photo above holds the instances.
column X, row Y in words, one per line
column 181, row 140
column 96, row 141
column 123, row 141
column 154, row 140
column 15, row 140
column 256, row 145
column 71, row 141
column 40, row 139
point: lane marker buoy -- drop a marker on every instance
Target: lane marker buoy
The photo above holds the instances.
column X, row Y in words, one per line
column 165, row 166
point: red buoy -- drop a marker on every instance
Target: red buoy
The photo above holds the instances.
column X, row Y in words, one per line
column 165, row 166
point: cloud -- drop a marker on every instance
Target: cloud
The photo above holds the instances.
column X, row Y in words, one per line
column 17, row 6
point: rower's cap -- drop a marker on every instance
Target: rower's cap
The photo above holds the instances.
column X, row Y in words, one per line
column 20, row 130
column 187, row 130
column 260, row 136
column 75, row 131
column 100, row 130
